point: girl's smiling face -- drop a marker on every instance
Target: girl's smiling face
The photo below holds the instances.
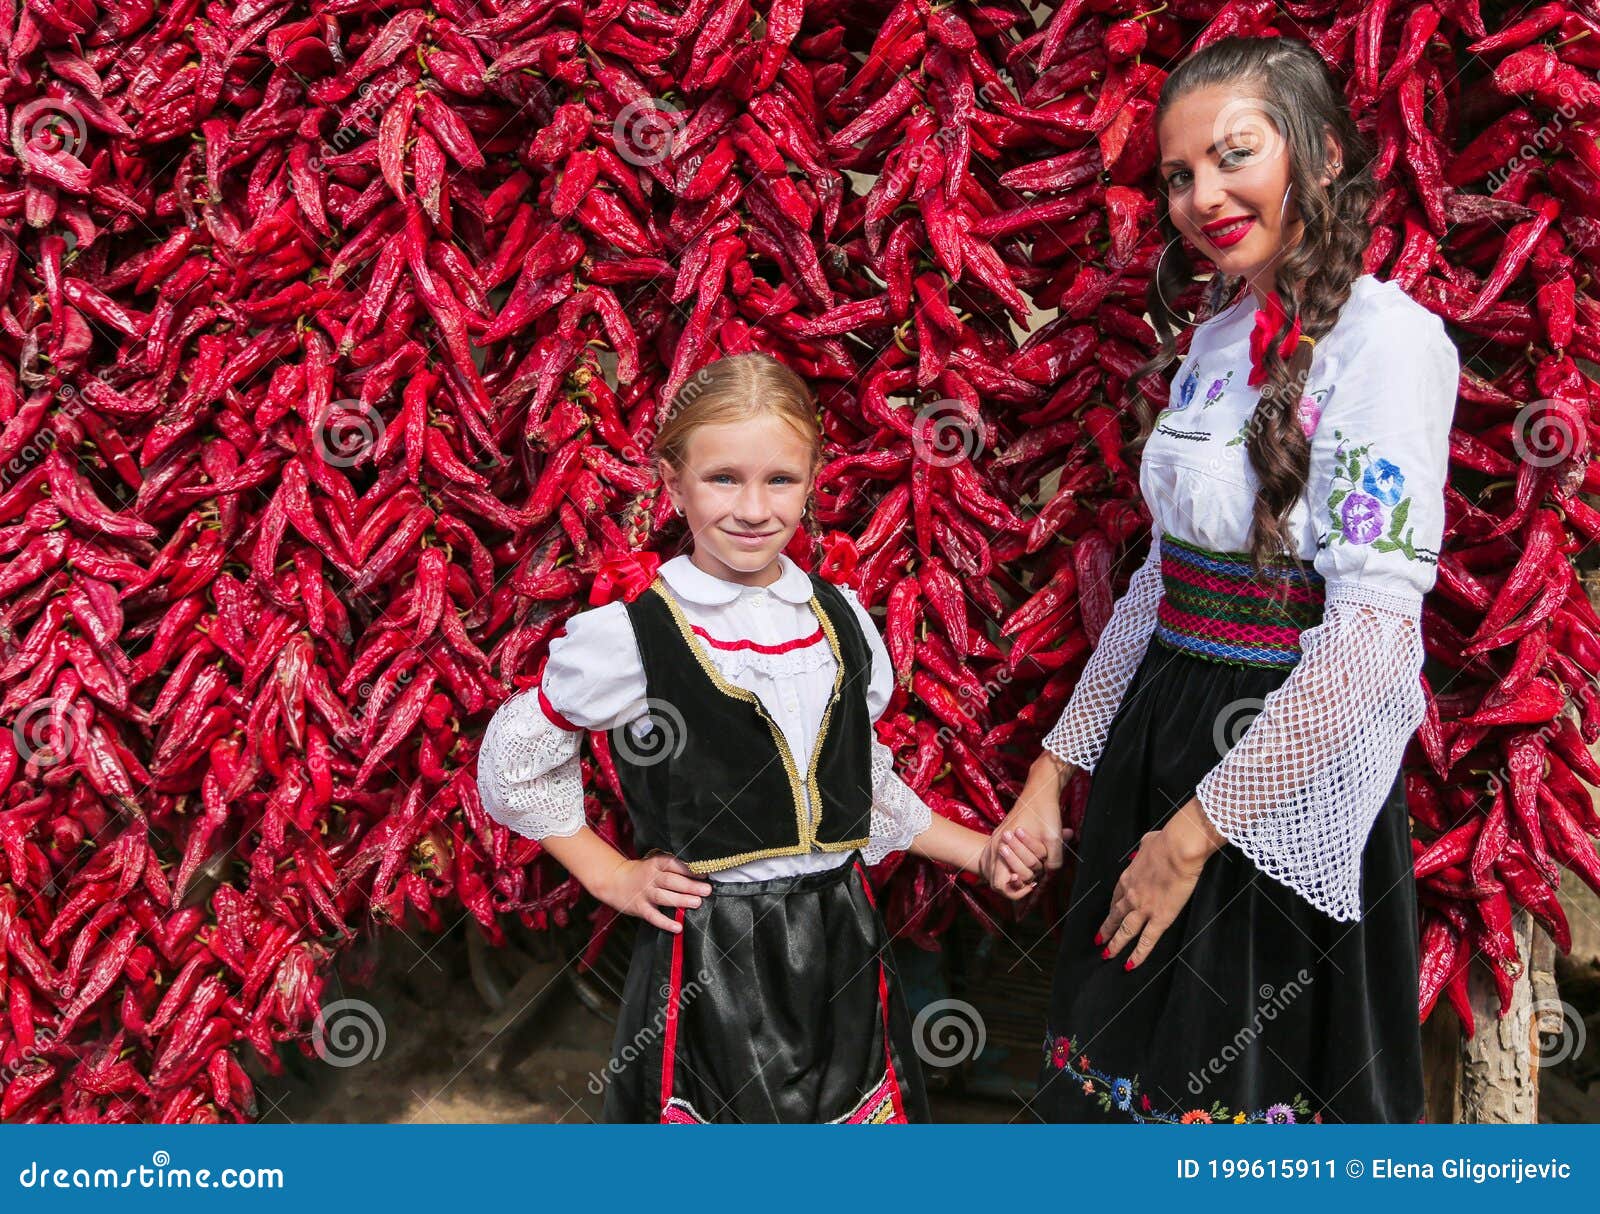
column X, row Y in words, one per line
column 742, row 479
column 1226, row 168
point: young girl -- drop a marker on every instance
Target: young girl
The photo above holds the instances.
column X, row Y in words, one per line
column 739, row 692
column 1242, row 939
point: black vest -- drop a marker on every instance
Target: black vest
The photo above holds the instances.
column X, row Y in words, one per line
column 713, row 782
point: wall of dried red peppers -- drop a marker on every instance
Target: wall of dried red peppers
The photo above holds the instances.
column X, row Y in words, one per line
column 334, row 334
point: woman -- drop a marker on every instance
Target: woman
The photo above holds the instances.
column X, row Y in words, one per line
column 1241, row 939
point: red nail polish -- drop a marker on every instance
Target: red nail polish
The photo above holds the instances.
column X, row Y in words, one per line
column 1105, row 953
column 1097, row 938
column 1128, row 964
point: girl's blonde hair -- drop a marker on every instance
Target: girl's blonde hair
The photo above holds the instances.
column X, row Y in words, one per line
column 734, row 389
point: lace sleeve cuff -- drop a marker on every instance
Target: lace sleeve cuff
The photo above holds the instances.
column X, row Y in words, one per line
column 1299, row 791
column 529, row 778
column 1080, row 733
column 898, row 814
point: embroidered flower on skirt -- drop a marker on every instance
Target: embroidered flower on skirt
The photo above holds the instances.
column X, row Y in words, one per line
column 1122, row 1093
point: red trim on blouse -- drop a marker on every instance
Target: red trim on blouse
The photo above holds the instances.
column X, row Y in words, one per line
column 555, row 717
column 798, row 643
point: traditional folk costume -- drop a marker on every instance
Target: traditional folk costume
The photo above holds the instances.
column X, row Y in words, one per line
column 741, row 729
column 1286, row 989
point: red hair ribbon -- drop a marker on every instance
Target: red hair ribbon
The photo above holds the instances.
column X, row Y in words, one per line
column 1268, row 321
column 627, row 573
column 839, row 558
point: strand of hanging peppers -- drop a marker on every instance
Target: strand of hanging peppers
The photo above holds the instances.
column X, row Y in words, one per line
column 334, row 344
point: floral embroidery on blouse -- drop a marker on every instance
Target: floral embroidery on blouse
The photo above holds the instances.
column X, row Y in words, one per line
column 1366, row 503
column 1214, row 392
column 1123, row 1094
column 1309, row 414
column 1186, row 393
column 1193, row 436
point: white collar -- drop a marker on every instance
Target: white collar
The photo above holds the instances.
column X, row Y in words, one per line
column 689, row 581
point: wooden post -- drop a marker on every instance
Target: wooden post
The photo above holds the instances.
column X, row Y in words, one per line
column 1493, row 1076
column 1499, row 1082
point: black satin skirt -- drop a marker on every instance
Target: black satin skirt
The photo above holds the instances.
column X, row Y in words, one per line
column 1254, row 1006
column 778, row 1002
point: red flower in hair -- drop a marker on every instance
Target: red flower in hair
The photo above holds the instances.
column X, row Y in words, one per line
column 627, row 573
column 1268, row 321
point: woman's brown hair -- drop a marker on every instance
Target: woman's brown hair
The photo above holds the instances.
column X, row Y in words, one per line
column 1290, row 83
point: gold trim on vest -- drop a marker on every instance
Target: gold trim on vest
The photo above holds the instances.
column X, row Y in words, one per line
column 806, row 830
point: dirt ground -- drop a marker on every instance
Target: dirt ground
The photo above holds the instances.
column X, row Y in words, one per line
column 522, row 1037
column 423, row 1043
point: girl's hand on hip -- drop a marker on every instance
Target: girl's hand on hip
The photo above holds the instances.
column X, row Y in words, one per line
column 1157, row 884
column 639, row 887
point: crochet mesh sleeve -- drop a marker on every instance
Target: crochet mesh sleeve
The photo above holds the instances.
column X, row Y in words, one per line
column 1080, row 733
column 898, row 814
column 528, row 770
column 1299, row 790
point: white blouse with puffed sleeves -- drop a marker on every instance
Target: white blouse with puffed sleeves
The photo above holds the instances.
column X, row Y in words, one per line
column 765, row 639
column 1300, row 789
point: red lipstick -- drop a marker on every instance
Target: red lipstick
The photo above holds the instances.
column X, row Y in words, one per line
column 1225, row 232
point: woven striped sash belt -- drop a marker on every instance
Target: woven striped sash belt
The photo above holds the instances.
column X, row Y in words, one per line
column 1216, row 606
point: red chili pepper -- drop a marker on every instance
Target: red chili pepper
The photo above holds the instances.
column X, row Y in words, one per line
column 1567, row 840
column 1104, row 427
column 1525, row 764
column 1558, row 578
column 944, row 596
column 1452, row 847
column 1540, row 701
column 1531, row 571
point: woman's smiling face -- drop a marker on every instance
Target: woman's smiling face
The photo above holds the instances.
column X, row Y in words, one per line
column 1226, row 169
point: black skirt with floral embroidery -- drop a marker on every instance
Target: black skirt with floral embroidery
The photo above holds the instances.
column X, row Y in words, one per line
column 1254, row 1006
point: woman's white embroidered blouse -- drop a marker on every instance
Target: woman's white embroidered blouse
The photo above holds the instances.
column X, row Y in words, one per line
column 1300, row 789
column 764, row 639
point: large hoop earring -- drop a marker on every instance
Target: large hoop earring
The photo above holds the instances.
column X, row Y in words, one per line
column 1187, row 321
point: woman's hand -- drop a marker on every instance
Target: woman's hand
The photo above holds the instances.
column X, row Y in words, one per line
column 1031, row 839
column 1158, row 882
column 639, row 887
column 1012, row 860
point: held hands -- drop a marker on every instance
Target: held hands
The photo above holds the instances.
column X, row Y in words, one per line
column 1031, row 838
column 1022, row 847
column 1157, row 884
column 1014, row 858
column 639, row 887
